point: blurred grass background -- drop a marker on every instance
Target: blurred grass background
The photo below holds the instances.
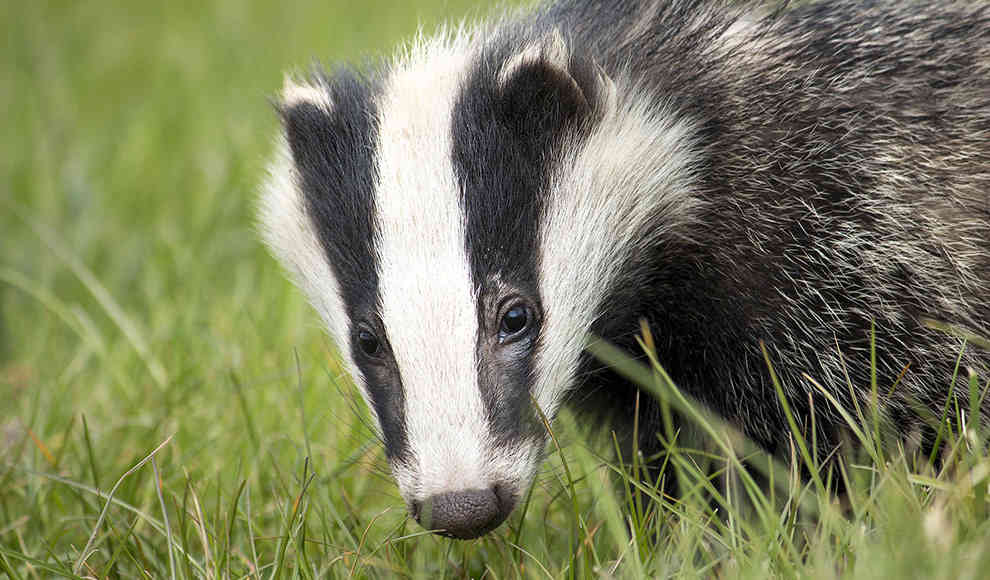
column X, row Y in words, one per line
column 136, row 304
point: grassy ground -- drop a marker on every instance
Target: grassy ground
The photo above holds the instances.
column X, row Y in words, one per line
column 138, row 312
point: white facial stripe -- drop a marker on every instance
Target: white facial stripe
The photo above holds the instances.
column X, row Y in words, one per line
column 289, row 234
column 425, row 286
column 635, row 166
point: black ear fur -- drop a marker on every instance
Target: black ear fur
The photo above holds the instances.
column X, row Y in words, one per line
column 330, row 128
column 546, row 88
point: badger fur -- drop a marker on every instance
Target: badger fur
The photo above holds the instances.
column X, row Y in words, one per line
column 464, row 216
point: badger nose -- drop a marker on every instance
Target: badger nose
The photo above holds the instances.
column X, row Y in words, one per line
column 463, row 514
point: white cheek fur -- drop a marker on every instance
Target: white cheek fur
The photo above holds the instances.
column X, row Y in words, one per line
column 636, row 165
column 291, row 237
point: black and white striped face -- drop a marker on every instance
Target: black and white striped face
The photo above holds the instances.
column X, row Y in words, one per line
column 457, row 223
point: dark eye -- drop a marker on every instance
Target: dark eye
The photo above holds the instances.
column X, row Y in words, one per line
column 514, row 321
column 369, row 343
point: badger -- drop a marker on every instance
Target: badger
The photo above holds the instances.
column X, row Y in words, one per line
column 467, row 216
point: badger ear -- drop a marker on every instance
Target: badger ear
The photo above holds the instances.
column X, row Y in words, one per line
column 546, row 86
column 307, row 116
column 295, row 93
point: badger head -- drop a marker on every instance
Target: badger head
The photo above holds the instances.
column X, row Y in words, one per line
column 456, row 219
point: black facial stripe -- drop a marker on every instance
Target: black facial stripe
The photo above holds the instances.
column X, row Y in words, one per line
column 501, row 178
column 504, row 145
column 334, row 155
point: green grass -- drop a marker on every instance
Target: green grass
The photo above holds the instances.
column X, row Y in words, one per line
column 138, row 313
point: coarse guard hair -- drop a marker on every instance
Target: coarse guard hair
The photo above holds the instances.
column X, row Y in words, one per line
column 466, row 215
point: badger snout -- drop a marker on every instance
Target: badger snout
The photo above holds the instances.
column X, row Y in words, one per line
column 464, row 514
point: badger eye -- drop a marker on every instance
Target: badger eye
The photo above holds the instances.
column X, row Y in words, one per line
column 514, row 321
column 369, row 343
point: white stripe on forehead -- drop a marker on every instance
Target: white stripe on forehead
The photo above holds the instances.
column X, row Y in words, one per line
column 427, row 295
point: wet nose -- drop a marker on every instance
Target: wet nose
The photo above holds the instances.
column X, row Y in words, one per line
column 463, row 514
